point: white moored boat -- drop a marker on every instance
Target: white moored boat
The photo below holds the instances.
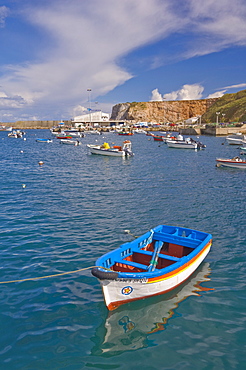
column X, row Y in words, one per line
column 114, row 151
column 185, row 144
column 235, row 162
column 236, row 139
column 70, row 142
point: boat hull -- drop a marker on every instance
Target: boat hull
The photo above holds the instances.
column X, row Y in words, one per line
column 181, row 145
column 70, row 142
column 117, row 293
column 106, row 152
column 44, row 140
column 231, row 163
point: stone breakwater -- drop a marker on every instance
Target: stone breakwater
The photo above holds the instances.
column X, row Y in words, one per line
column 35, row 124
column 161, row 111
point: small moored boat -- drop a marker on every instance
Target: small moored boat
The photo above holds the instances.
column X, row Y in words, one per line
column 5, row 128
column 70, row 142
column 152, row 264
column 114, row 151
column 185, row 144
column 44, row 140
column 64, row 137
column 235, row 162
column 236, row 139
column 158, row 137
column 16, row 134
column 125, row 133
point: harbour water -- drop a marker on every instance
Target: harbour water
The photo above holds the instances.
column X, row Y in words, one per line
column 63, row 215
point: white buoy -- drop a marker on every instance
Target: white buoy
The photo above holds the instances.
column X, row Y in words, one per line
column 22, row 151
column 23, row 185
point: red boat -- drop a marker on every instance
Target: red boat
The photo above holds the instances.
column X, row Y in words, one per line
column 158, row 137
column 163, row 138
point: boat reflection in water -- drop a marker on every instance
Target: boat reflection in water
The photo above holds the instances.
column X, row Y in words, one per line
column 128, row 327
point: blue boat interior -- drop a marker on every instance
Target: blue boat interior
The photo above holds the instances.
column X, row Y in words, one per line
column 159, row 248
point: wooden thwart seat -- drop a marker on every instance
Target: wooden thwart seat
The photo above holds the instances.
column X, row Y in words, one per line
column 183, row 241
column 133, row 264
column 161, row 255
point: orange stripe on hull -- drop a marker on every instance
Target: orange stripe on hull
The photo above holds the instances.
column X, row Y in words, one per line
column 181, row 268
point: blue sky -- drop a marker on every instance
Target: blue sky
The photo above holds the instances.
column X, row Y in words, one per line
column 52, row 51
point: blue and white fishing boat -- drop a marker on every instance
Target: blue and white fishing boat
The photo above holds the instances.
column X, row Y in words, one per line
column 152, row 264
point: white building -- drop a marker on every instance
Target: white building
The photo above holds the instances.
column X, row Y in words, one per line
column 192, row 120
column 92, row 117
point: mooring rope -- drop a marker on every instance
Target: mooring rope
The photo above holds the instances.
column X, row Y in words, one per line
column 129, row 232
column 50, row 276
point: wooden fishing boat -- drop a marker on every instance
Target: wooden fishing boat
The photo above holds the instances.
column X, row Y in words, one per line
column 235, row 162
column 158, row 137
column 115, row 151
column 152, row 264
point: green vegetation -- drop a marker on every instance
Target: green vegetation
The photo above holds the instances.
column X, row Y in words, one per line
column 138, row 105
column 232, row 108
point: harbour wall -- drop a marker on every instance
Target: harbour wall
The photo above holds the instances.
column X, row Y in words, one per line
column 24, row 125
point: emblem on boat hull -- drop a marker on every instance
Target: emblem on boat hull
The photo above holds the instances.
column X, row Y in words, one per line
column 127, row 290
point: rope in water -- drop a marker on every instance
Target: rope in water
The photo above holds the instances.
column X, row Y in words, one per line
column 60, row 274
column 50, row 276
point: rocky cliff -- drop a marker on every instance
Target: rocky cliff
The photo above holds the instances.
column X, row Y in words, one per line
column 161, row 111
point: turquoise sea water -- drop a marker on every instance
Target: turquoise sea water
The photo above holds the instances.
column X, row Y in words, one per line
column 76, row 207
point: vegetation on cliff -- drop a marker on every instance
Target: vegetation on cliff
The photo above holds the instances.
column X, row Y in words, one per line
column 231, row 108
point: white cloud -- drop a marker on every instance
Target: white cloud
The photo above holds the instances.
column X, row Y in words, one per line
column 4, row 11
column 156, row 96
column 220, row 93
column 87, row 41
column 238, row 86
column 217, row 94
column 187, row 92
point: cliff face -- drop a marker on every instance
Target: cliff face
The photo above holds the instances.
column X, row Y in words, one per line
column 161, row 111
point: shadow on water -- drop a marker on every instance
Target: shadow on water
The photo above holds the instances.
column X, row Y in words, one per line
column 128, row 328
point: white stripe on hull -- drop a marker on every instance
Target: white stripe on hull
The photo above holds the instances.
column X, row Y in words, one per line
column 175, row 144
column 127, row 290
column 232, row 165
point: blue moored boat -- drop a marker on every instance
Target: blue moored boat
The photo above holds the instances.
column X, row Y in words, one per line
column 152, row 264
column 44, row 140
